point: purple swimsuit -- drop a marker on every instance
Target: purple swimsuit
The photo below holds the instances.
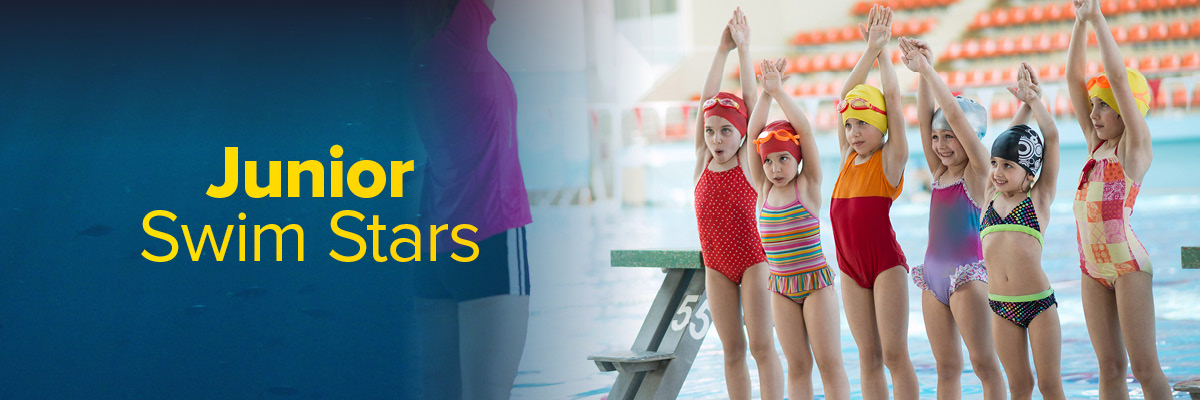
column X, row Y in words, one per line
column 955, row 253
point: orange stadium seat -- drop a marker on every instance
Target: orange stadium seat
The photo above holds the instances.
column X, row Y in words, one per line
column 1018, row 15
column 1041, row 43
column 1190, row 61
column 1120, row 34
column 1060, row 41
column 1139, row 33
column 1006, row 46
column 970, row 48
column 802, row 39
column 1009, row 76
column 928, row 24
column 1024, row 44
column 862, row 8
column 953, row 51
column 1158, row 31
column 851, row 59
column 1037, row 13
column 850, row 34
column 1050, row 72
column 1148, row 5
column 987, row 48
column 1177, row 30
column 1179, row 97
column 1132, row 62
column 1109, row 7
column 1127, row 6
column 1170, row 62
column 982, row 20
column 820, row 62
column 1149, row 64
column 1000, row 17
column 837, row 63
column 819, row 37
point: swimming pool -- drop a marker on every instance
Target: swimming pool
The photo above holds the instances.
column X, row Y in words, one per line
column 582, row 306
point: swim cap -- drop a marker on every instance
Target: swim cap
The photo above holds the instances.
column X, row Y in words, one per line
column 1022, row 145
column 778, row 136
column 730, row 107
column 869, row 108
column 1099, row 87
column 976, row 116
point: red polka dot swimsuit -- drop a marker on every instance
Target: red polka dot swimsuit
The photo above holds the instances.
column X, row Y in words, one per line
column 725, row 214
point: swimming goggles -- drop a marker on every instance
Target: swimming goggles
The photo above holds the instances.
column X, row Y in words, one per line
column 783, row 135
column 1102, row 80
column 727, row 103
column 858, row 103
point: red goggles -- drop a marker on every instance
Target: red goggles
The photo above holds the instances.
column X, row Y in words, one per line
column 858, row 104
column 727, row 103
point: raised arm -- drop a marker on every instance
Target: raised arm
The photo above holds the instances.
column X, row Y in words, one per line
column 758, row 120
column 1077, row 77
column 895, row 148
column 1135, row 142
column 739, row 29
column 810, row 171
column 1047, row 181
column 915, row 61
column 712, row 85
column 877, row 32
column 1021, row 117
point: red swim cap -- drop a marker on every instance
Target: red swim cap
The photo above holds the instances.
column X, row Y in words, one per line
column 730, row 107
column 778, row 136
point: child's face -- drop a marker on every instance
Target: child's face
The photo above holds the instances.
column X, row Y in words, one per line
column 722, row 138
column 864, row 138
column 1105, row 119
column 780, row 167
column 1008, row 176
column 947, row 147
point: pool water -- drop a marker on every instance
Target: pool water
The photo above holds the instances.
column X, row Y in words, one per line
column 582, row 306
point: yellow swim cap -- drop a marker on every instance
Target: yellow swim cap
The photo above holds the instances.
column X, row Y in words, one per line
column 1099, row 87
column 866, row 103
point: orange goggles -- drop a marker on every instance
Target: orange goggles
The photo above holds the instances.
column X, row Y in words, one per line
column 783, row 135
column 858, row 104
column 1102, row 81
column 727, row 103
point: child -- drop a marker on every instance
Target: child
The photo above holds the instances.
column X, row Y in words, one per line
column 729, row 242
column 1117, row 295
column 806, row 308
column 1012, row 228
column 867, row 251
column 953, row 276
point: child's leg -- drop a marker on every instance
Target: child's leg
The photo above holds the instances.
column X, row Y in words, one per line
column 860, row 314
column 793, row 338
column 726, row 312
column 943, row 340
column 969, row 305
column 825, row 338
column 1104, row 328
column 891, row 314
column 1045, row 339
column 756, row 305
column 1012, row 347
column 491, row 341
column 1135, row 304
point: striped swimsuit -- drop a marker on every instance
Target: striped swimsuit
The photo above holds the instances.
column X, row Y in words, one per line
column 791, row 237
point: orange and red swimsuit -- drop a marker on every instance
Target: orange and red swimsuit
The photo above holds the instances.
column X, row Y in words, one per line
column 862, row 227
